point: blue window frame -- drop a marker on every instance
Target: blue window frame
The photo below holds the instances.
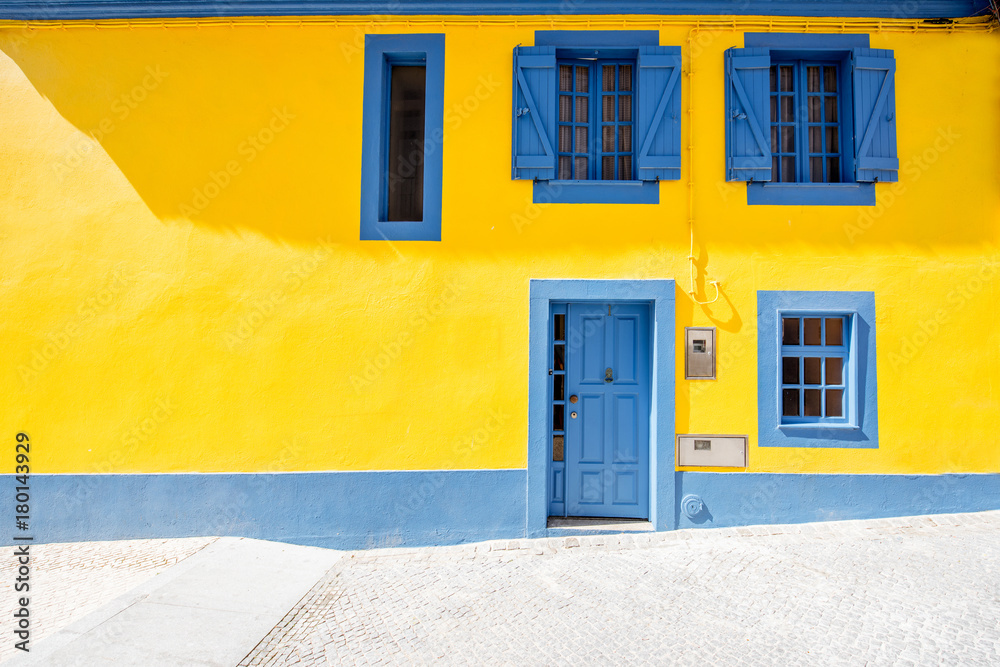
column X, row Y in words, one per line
column 815, row 93
column 816, row 376
column 596, row 116
column 401, row 161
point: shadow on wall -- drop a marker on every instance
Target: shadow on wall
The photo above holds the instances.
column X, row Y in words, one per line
column 229, row 133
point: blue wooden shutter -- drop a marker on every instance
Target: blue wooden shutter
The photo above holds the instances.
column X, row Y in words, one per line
column 534, row 132
column 874, row 72
column 658, row 113
column 748, row 104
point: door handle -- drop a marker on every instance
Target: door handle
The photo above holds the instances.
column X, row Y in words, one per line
column 608, row 376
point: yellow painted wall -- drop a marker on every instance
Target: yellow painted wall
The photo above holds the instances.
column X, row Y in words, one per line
column 155, row 323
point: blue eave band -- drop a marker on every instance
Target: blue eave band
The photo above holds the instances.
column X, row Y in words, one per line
column 120, row 9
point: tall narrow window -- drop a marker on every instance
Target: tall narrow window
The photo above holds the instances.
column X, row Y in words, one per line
column 405, row 182
column 402, row 137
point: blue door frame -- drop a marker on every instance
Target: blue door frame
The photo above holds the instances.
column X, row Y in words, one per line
column 659, row 295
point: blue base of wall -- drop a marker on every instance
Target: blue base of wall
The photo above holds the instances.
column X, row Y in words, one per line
column 343, row 510
column 740, row 499
column 356, row 510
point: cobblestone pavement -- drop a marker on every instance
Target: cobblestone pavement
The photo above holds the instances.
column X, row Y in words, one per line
column 68, row 581
column 908, row 591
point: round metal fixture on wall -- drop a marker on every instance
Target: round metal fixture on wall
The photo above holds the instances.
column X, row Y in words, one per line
column 692, row 505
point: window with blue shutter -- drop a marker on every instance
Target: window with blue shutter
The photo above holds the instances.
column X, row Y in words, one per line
column 748, row 150
column 596, row 116
column 534, row 112
column 810, row 119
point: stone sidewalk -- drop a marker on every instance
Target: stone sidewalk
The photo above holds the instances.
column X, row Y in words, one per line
column 922, row 590
column 888, row 592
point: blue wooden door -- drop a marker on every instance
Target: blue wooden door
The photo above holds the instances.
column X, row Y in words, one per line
column 607, row 410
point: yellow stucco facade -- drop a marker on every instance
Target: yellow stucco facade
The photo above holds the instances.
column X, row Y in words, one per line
column 184, row 288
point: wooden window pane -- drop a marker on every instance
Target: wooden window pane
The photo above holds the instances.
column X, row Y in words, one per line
column 830, row 79
column 565, row 108
column 834, row 402
column 565, row 78
column 565, row 167
column 787, row 80
column 816, row 169
column 832, row 139
column 625, row 139
column 558, row 417
column 608, row 167
column 789, row 331
column 813, row 397
column 812, row 331
column 559, row 326
column 405, row 197
column 813, row 370
column 834, row 370
column 558, row 387
column 608, row 78
column 831, row 109
column 625, row 167
column 815, row 109
column 788, row 140
column 559, row 357
column 790, row 402
column 812, row 79
column 557, row 447
column 788, row 169
column 816, row 140
column 789, row 370
column 625, row 77
column 835, row 331
column 625, row 108
column 787, row 109
column 833, row 170
column 565, row 139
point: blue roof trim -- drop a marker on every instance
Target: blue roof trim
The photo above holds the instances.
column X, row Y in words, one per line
column 117, row 9
column 785, row 40
column 576, row 38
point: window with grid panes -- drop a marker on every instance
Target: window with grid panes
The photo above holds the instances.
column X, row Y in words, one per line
column 805, row 122
column 814, row 367
column 595, row 120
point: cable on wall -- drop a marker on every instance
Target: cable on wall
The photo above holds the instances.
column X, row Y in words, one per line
column 690, row 172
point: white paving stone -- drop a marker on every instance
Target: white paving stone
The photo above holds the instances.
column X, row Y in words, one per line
column 921, row 591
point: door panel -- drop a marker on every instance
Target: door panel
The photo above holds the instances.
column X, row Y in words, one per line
column 607, row 443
